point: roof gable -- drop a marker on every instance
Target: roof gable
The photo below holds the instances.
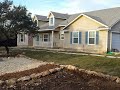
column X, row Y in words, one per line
column 59, row 15
column 78, row 16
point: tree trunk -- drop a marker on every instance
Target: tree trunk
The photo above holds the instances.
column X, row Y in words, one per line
column 7, row 50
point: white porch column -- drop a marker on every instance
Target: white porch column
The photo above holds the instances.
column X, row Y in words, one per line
column 52, row 39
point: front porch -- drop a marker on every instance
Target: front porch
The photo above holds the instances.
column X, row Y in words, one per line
column 46, row 39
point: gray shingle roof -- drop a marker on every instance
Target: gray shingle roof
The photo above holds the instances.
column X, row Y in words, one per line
column 106, row 16
column 46, row 26
column 60, row 15
column 42, row 18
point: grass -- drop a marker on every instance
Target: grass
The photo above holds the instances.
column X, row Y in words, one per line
column 100, row 64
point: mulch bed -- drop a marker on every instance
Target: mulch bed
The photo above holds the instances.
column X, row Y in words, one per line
column 27, row 72
column 66, row 80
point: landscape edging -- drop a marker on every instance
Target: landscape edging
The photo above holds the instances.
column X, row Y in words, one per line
column 89, row 72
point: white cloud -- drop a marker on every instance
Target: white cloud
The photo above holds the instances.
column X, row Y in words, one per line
column 73, row 6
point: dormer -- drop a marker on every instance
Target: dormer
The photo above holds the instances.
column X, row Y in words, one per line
column 51, row 19
column 40, row 20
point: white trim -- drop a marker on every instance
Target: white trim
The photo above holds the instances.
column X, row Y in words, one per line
column 61, row 25
column 87, row 17
column 49, row 14
column 73, row 38
column 94, row 38
column 52, row 39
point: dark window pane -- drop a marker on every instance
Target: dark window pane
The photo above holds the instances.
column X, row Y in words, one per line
column 91, row 40
column 75, row 40
column 45, row 40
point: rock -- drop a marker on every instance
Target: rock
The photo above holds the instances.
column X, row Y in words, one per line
column 114, row 78
column 70, row 67
column 82, row 70
column 51, row 63
column 38, row 75
column 11, row 81
column 12, row 86
column 118, row 80
column 58, row 69
column 1, row 82
column 62, row 66
column 25, row 78
column 52, row 70
column 33, row 75
column 45, row 73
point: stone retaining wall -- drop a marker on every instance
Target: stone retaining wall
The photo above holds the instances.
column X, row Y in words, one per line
column 13, row 81
column 108, row 77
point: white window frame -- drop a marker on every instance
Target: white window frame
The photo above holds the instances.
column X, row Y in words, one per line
column 75, row 37
column 62, row 35
column 92, row 37
column 46, row 38
column 21, row 38
column 51, row 24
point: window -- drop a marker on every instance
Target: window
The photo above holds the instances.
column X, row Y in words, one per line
column 91, row 37
column 46, row 37
column 22, row 37
column 37, row 37
column 62, row 35
column 51, row 21
column 75, row 36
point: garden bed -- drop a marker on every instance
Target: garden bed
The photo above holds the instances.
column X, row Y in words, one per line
column 66, row 80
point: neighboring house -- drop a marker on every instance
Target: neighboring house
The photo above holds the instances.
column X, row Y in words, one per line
column 93, row 32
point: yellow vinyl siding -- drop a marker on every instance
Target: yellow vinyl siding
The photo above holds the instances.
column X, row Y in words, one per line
column 84, row 24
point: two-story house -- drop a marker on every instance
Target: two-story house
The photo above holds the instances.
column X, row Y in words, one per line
column 94, row 32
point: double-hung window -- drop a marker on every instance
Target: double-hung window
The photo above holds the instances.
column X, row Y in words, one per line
column 91, row 37
column 75, row 37
column 62, row 35
column 22, row 37
column 46, row 37
column 51, row 21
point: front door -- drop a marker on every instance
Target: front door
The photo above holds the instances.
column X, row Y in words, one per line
column 36, row 40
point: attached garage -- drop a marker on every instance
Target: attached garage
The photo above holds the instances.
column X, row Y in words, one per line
column 116, row 41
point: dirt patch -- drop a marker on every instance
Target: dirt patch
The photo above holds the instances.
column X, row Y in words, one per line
column 66, row 80
column 27, row 72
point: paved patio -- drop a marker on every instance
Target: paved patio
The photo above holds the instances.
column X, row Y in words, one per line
column 8, row 65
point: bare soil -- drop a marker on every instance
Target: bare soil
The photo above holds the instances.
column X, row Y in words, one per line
column 66, row 80
column 27, row 72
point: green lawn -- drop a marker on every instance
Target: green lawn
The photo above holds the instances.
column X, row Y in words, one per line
column 100, row 64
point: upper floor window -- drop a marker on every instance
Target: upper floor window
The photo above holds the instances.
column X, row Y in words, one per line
column 51, row 21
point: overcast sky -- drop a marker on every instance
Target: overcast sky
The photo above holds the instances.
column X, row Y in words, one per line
column 43, row 7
